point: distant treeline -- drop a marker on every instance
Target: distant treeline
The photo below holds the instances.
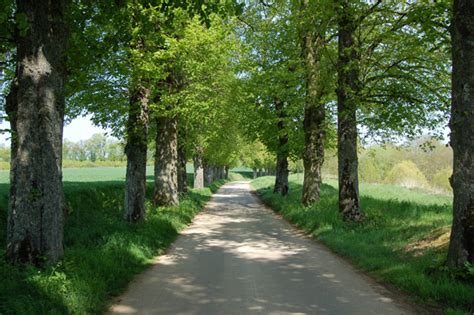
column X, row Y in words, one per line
column 424, row 164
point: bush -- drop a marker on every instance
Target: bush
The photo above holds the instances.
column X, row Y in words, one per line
column 369, row 172
column 440, row 180
column 407, row 174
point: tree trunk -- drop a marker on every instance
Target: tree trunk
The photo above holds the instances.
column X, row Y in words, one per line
column 215, row 173
column 226, row 172
column 281, row 180
column 347, row 90
column 182, row 173
column 35, row 107
column 198, row 169
column 136, row 151
column 254, row 172
column 314, row 116
column 166, row 162
column 208, row 174
column 461, row 247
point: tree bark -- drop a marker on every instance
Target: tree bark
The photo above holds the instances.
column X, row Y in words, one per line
column 281, row 179
column 166, row 162
column 35, row 107
column 461, row 247
column 226, row 172
column 182, row 173
column 136, row 151
column 347, row 90
column 198, row 169
column 315, row 114
column 255, row 175
column 208, row 174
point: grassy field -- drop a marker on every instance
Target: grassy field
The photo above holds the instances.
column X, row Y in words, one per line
column 102, row 252
column 403, row 240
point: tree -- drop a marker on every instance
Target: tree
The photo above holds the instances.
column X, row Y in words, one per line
column 35, row 107
column 461, row 247
column 347, row 90
column 203, row 95
column 314, row 32
column 273, row 80
column 166, row 162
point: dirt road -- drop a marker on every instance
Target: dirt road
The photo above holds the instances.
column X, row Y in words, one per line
column 238, row 257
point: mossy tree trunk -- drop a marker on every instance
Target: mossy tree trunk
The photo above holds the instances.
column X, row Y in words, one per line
column 166, row 162
column 347, row 91
column 461, row 247
column 35, row 107
column 136, row 151
column 314, row 115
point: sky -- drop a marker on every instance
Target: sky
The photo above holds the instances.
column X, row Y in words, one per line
column 80, row 128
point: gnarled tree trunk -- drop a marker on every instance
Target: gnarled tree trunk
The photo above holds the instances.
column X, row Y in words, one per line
column 35, row 107
column 166, row 162
column 347, row 90
column 198, row 169
column 136, row 151
column 461, row 247
column 281, row 179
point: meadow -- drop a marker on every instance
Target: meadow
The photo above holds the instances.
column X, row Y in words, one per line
column 102, row 251
column 402, row 240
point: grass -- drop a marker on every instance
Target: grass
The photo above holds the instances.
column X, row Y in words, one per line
column 102, row 252
column 403, row 240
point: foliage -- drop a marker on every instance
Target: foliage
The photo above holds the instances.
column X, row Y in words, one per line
column 205, row 61
column 441, row 180
column 406, row 174
column 432, row 160
column 398, row 242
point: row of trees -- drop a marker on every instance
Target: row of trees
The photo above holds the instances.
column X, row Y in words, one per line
column 96, row 148
column 284, row 79
column 146, row 69
column 328, row 74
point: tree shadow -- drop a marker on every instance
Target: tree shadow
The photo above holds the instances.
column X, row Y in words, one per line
column 102, row 251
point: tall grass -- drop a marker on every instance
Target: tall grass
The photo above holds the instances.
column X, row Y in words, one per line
column 403, row 239
column 102, row 252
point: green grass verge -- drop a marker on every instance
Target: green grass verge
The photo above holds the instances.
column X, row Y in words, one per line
column 102, row 252
column 402, row 240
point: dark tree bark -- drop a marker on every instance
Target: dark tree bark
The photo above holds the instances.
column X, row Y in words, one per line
column 208, row 174
column 461, row 247
column 182, row 174
column 198, row 169
column 35, row 107
column 281, row 179
column 347, row 90
column 315, row 114
column 136, row 151
column 226, row 172
column 166, row 162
